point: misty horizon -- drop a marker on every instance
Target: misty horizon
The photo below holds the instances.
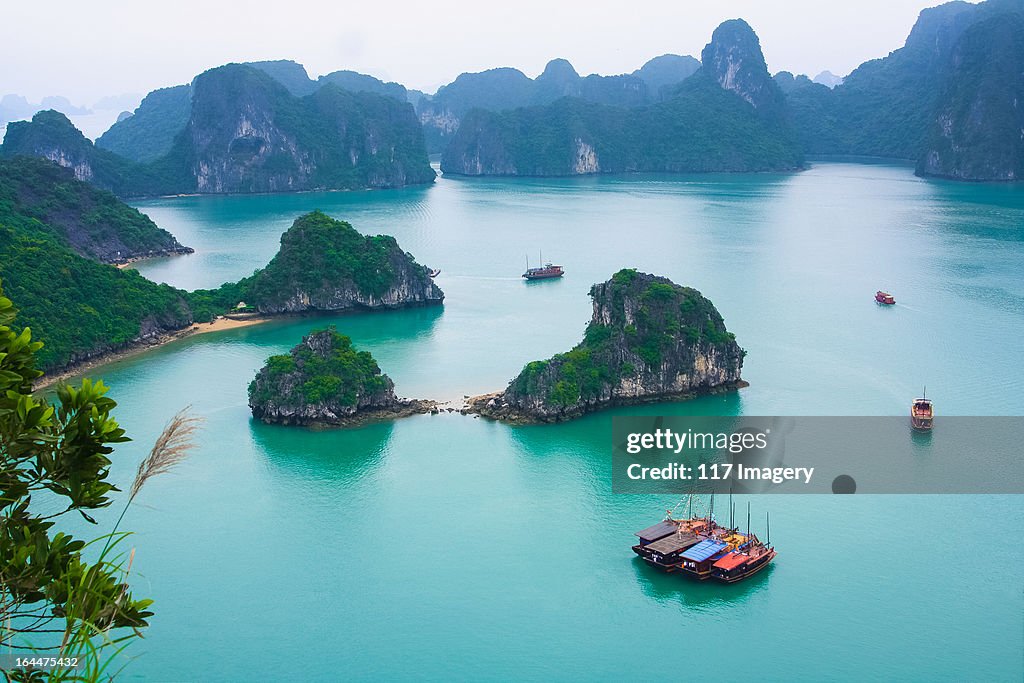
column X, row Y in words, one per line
column 799, row 37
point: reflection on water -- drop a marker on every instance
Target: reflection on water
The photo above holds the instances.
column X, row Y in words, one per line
column 708, row 595
column 342, row 456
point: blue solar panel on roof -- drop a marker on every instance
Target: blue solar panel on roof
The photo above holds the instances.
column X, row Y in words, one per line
column 703, row 550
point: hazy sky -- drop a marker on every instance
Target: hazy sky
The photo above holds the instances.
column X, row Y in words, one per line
column 85, row 50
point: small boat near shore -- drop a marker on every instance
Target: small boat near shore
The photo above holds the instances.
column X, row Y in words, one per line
column 884, row 298
column 434, row 272
column 922, row 413
column 701, row 548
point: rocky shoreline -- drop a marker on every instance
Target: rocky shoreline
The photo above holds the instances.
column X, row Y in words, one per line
column 405, row 407
column 648, row 340
column 162, row 253
column 493, row 405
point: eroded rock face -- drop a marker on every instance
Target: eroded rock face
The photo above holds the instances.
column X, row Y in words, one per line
column 248, row 134
column 326, row 265
column 977, row 131
column 648, row 340
column 734, row 59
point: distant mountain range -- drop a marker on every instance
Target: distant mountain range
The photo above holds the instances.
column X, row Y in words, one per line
column 728, row 116
column 506, row 88
column 242, row 128
column 949, row 100
column 15, row 107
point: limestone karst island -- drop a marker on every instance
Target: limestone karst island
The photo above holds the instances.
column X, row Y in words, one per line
column 409, row 341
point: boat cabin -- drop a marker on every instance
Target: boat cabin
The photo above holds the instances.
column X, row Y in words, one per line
column 657, row 532
column 697, row 560
column 665, row 553
column 729, row 566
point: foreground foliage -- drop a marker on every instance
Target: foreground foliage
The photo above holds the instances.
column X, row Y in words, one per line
column 58, row 593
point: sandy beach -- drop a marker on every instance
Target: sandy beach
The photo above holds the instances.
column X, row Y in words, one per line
column 218, row 325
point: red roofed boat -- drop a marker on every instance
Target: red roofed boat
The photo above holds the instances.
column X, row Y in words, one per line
column 739, row 564
column 543, row 272
column 884, row 298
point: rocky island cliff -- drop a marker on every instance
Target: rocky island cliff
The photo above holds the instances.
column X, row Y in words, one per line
column 648, row 340
column 324, row 380
column 58, row 233
column 90, row 222
column 326, row 265
column 241, row 131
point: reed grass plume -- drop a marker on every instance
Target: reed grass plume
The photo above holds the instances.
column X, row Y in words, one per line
column 171, row 447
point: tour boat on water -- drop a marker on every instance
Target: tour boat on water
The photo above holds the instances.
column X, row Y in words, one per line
column 884, row 298
column 434, row 272
column 739, row 564
column 922, row 414
column 701, row 548
column 548, row 270
column 543, row 272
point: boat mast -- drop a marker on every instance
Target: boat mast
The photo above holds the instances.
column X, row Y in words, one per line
column 748, row 519
column 768, row 528
column 732, row 509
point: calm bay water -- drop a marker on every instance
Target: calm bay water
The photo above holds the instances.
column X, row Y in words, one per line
column 447, row 546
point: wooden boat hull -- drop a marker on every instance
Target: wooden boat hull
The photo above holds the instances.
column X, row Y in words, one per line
column 696, row 576
column 753, row 568
column 668, row 568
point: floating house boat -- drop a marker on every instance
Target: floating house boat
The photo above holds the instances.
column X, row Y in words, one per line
column 701, row 548
column 884, row 298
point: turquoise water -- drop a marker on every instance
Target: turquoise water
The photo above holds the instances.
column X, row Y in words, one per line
column 446, row 546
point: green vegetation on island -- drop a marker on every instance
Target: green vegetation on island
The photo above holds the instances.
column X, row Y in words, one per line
column 331, row 369
column 39, row 197
column 948, row 99
column 729, row 116
column 55, row 231
column 244, row 132
column 325, row 380
column 648, row 339
column 149, row 133
column 506, row 88
column 976, row 132
column 326, row 265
